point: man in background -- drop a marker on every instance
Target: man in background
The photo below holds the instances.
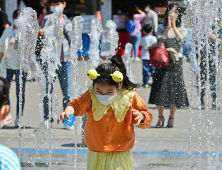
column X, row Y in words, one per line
column 151, row 18
column 4, row 23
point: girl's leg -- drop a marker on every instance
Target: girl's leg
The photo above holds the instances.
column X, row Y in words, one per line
column 171, row 117
column 137, row 43
column 160, row 122
column 152, row 70
column 145, row 71
column 132, row 41
column 24, row 77
column 9, row 76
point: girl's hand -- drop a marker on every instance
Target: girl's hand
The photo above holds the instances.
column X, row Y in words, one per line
column 138, row 116
column 69, row 110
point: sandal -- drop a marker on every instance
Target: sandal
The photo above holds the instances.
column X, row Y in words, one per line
column 170, row 122
column 160, row 125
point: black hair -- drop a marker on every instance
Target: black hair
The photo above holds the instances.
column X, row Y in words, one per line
column 147, row 28
column 55, row 1
column 132, row 12
column 3, row 91
column 181, row 11
column 16, row 13
column 48, row 7
column 115, row 64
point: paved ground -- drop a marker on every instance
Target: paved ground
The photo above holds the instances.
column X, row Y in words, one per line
column 158, row 149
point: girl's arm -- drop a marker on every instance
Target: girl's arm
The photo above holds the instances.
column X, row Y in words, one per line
column 141, row 14
column 78, row 106
column 140, row 111
column 68, row 111
column 180, row 35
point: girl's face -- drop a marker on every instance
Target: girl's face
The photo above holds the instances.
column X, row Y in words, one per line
column 106, row 89
column 173, row 13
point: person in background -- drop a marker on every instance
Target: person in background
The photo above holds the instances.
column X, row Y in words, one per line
column 119, row 12
column 64, row 72
column 151, row 18
column 168, row 88
column 8, row 159
column 136, row 15
column 147, row 41
column 45, row 11
column 4, row 23
column 99, row 16
column 9, row 56
column 211, row 74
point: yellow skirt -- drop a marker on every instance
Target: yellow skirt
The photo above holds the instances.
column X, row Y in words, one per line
column 110, row 160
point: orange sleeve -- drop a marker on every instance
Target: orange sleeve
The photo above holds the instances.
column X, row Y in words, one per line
column 81, row 104
column 139, row 105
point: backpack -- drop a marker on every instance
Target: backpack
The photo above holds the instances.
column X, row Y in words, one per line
column 130, row 26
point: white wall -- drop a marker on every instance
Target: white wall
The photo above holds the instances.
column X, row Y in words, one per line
column 10, row 6
column 106, row 10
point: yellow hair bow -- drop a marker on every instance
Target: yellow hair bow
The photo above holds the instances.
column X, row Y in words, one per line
column 117, row 76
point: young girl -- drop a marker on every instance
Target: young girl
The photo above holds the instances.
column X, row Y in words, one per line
column 113, row 107
column 10, row 60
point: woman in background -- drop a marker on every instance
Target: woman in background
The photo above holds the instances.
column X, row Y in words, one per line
column 136, row 15
column 168, row 88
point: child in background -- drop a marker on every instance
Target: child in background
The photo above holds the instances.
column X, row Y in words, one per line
column 147, row 40
column 10, row 59
column 113, row 107
column 8, row 159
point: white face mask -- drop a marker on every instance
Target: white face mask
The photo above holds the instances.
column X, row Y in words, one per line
column 106, row 99
column 57, row 9
column 147, row 9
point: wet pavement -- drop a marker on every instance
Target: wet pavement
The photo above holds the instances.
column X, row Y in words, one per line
column 156, row 149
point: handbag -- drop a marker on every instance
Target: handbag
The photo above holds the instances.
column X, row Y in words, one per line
column 159, row 57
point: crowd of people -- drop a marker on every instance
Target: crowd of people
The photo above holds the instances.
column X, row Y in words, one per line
column 146, row 33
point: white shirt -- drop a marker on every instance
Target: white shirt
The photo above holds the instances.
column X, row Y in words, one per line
column 12, row 59
column 147, row 41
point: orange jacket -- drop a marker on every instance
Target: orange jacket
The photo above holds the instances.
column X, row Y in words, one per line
column 107, row 134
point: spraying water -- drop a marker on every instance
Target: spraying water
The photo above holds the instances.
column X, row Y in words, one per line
column 111, row 36
column 27, row 31
column 76, row 44
column 51, row 59
column 127, row 60
column 96, row 31
column 199, row 20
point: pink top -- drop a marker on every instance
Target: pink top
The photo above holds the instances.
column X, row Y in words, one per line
column 137, row 18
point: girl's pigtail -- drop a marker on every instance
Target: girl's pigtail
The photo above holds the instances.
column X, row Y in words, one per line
column 117, row 60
